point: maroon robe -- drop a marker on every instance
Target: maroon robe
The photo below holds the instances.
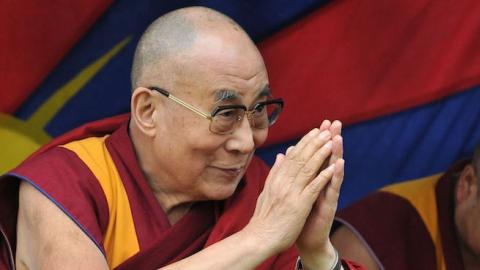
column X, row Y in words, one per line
column 64, row 176
column 73, row 187
column 396, row 233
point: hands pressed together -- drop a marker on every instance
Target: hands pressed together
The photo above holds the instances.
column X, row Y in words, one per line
column 296, row 206
column 299, row 200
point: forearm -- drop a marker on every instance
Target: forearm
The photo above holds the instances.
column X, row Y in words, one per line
column 240, row 251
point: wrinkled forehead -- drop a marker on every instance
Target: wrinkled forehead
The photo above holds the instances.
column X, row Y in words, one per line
column 223, row 71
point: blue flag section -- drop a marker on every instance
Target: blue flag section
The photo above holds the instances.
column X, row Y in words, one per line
column 411, row 144
column 93, row 81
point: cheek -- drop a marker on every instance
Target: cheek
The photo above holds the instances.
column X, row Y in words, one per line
column 260, row 136
column 467, row 219
column 203, row 142
column 187, row 139
column 475, row 231
column 193, row 132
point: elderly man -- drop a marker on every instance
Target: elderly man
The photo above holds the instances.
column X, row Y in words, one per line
column 175, row 185
column 433, row 223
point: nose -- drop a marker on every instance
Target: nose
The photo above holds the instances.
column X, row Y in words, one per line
column 242, row 138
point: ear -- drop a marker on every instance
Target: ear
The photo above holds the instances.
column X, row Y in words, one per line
column 143, row 110
column 467, row 185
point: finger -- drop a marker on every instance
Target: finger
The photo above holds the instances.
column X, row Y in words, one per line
column 311, row 168
column 327, row 198
column 337, row 149
column 333, row 191
column 319, row 183
column 325, row 125
column 337, row 152
column 303, row 142
column 276, row 165
column 336, row 128
column 299, row 157
column 289, row 149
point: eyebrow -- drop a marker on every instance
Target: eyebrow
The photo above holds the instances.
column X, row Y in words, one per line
column 265, row 92
column 226, row 95
column 229, row 95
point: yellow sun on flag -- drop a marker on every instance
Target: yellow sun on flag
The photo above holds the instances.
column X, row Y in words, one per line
column 18, row 138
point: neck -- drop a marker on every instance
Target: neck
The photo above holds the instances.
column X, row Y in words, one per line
column 176, row 213
column 174, row 204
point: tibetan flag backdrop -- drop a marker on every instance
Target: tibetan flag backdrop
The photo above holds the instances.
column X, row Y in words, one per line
column 403, row 75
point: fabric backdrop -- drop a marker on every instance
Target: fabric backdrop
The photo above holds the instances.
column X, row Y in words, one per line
column 402, row 75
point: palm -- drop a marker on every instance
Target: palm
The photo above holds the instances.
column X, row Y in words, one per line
column 315, row 233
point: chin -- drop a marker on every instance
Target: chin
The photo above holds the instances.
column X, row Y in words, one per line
column 222, row 191
column 220, row 186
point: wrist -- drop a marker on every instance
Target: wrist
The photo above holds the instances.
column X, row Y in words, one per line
column 260, row 243
column 328, row 258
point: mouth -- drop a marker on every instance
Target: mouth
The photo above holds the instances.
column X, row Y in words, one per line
column 230, row 171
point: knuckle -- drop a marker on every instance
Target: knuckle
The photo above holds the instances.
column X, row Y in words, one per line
column 300, row 162
column 296, row 161
column 308, row 171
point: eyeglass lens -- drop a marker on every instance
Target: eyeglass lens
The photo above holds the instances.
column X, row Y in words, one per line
column 262, row 116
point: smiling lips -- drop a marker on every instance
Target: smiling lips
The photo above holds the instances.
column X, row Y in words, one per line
column 231, row 171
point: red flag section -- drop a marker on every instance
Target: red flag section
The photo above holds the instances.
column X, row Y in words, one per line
column 34, row 36
column 355, row 60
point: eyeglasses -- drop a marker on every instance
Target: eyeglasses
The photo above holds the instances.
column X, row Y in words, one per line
column 225, row 119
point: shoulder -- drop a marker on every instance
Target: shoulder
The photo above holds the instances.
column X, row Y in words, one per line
column 61, row 177
column 380, row 203
column 57, row 162
column 388, row 227
column 382, row 213
column 404, row 199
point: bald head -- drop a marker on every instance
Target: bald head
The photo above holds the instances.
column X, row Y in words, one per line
column 173, row 35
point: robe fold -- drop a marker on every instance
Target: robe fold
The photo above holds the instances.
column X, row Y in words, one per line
column 413, row 223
